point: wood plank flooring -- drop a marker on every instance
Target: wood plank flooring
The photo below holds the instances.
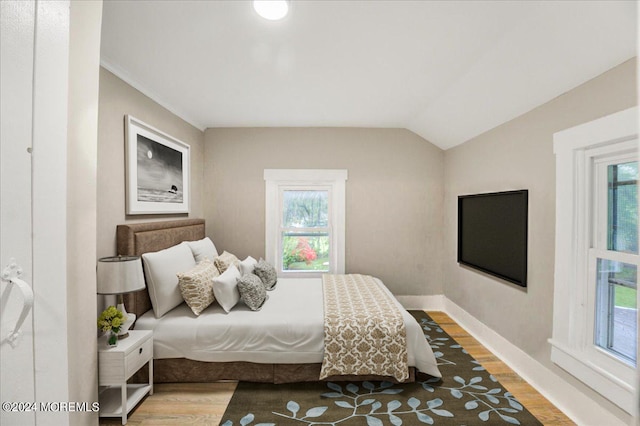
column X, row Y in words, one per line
column 181, row 404
column 205, row 403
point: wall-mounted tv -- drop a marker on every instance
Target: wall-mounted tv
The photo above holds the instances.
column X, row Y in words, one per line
column 492, row 234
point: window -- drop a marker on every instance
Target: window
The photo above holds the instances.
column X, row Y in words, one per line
column 305, row 212
column 595, row 330
column 305, row 240
column 615, row 232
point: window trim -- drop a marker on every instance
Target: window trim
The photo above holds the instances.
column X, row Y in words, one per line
column 572, row 344
column 276, row 180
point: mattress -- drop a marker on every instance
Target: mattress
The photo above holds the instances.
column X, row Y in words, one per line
column 289, row 329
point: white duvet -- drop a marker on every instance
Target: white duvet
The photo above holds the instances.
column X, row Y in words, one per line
column 289, row 329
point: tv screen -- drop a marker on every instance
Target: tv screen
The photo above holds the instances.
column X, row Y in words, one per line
column 492, row 234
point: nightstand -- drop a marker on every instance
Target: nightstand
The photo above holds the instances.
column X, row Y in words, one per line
column 116, row 365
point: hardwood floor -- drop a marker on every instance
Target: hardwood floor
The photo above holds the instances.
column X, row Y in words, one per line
column 181, row 404
column 205, row 403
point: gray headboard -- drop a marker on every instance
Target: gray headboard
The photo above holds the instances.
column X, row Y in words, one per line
column 138, row 238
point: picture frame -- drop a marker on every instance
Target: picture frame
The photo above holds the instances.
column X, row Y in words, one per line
column 157, row 170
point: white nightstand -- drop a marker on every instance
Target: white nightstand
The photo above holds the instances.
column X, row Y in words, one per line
column 116, row 365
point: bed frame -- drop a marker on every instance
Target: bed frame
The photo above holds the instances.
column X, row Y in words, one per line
column 139, row 238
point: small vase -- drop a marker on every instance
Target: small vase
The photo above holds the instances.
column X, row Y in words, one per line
column 112, row 339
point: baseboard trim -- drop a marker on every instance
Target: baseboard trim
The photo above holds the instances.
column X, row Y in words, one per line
column 423, row 303
column 574, row 404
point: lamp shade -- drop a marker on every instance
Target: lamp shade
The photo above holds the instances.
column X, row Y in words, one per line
column 120, row 274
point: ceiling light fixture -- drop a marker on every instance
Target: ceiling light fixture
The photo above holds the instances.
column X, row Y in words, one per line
column 272, row 10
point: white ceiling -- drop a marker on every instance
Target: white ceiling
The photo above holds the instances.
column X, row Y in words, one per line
column 446, row 70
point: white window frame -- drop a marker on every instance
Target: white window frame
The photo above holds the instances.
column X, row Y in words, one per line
column 572, row 346
column 279, row 180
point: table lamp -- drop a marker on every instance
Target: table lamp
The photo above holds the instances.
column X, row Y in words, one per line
column 119, row 275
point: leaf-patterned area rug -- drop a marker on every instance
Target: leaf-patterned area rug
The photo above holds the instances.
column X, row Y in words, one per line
column 466, row 395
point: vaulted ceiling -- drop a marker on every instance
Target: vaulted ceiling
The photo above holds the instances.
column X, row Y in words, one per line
column 446, row 70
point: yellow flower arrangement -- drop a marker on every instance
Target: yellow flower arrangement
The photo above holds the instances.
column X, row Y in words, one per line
column 111, row 319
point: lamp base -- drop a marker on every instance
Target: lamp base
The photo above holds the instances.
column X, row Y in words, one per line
column 124, row 328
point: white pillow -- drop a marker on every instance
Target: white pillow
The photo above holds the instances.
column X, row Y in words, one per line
column 225, row 288
column 247, row 265
column 203, row 249
column 161, row 269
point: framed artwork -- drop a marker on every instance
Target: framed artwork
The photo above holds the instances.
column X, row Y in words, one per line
column 157, row 170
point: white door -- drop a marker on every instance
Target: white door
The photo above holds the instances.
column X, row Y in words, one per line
column 17, row 381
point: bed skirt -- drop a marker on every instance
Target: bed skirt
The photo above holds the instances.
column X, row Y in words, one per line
column 182, row 370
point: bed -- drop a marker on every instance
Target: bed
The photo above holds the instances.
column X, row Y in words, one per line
column 280, row 343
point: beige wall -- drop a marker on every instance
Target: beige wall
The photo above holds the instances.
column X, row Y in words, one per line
column 519, row 155
column 84, row 68
column 117, row 99
column 394, row 195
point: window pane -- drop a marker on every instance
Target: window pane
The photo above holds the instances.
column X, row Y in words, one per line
column 305, row 251
column 616, row 308
column 305, row 209
column 622, row 229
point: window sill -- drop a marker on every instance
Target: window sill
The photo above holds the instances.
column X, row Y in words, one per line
column 298, row 274
column 581, row 365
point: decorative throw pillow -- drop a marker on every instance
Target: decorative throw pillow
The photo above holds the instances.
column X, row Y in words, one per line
column 267, row 274
column 196, row 285
column 225, row 288
column 225, row 260
column 252, row 291
column 247, row 265
column 160, row 269
column 203, row 249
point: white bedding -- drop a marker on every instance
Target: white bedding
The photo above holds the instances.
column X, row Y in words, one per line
column 289, row 329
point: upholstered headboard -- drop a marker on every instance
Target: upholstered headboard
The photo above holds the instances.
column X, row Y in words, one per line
column 138, row 238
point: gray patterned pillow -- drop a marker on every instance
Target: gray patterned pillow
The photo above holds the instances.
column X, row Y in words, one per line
column 252, row 291
column 267, row 274
column 196, row 285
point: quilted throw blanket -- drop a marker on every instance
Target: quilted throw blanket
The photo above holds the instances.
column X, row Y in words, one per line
column 364, row 333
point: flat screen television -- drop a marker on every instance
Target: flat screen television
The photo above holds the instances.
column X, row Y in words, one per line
column 492, row 234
